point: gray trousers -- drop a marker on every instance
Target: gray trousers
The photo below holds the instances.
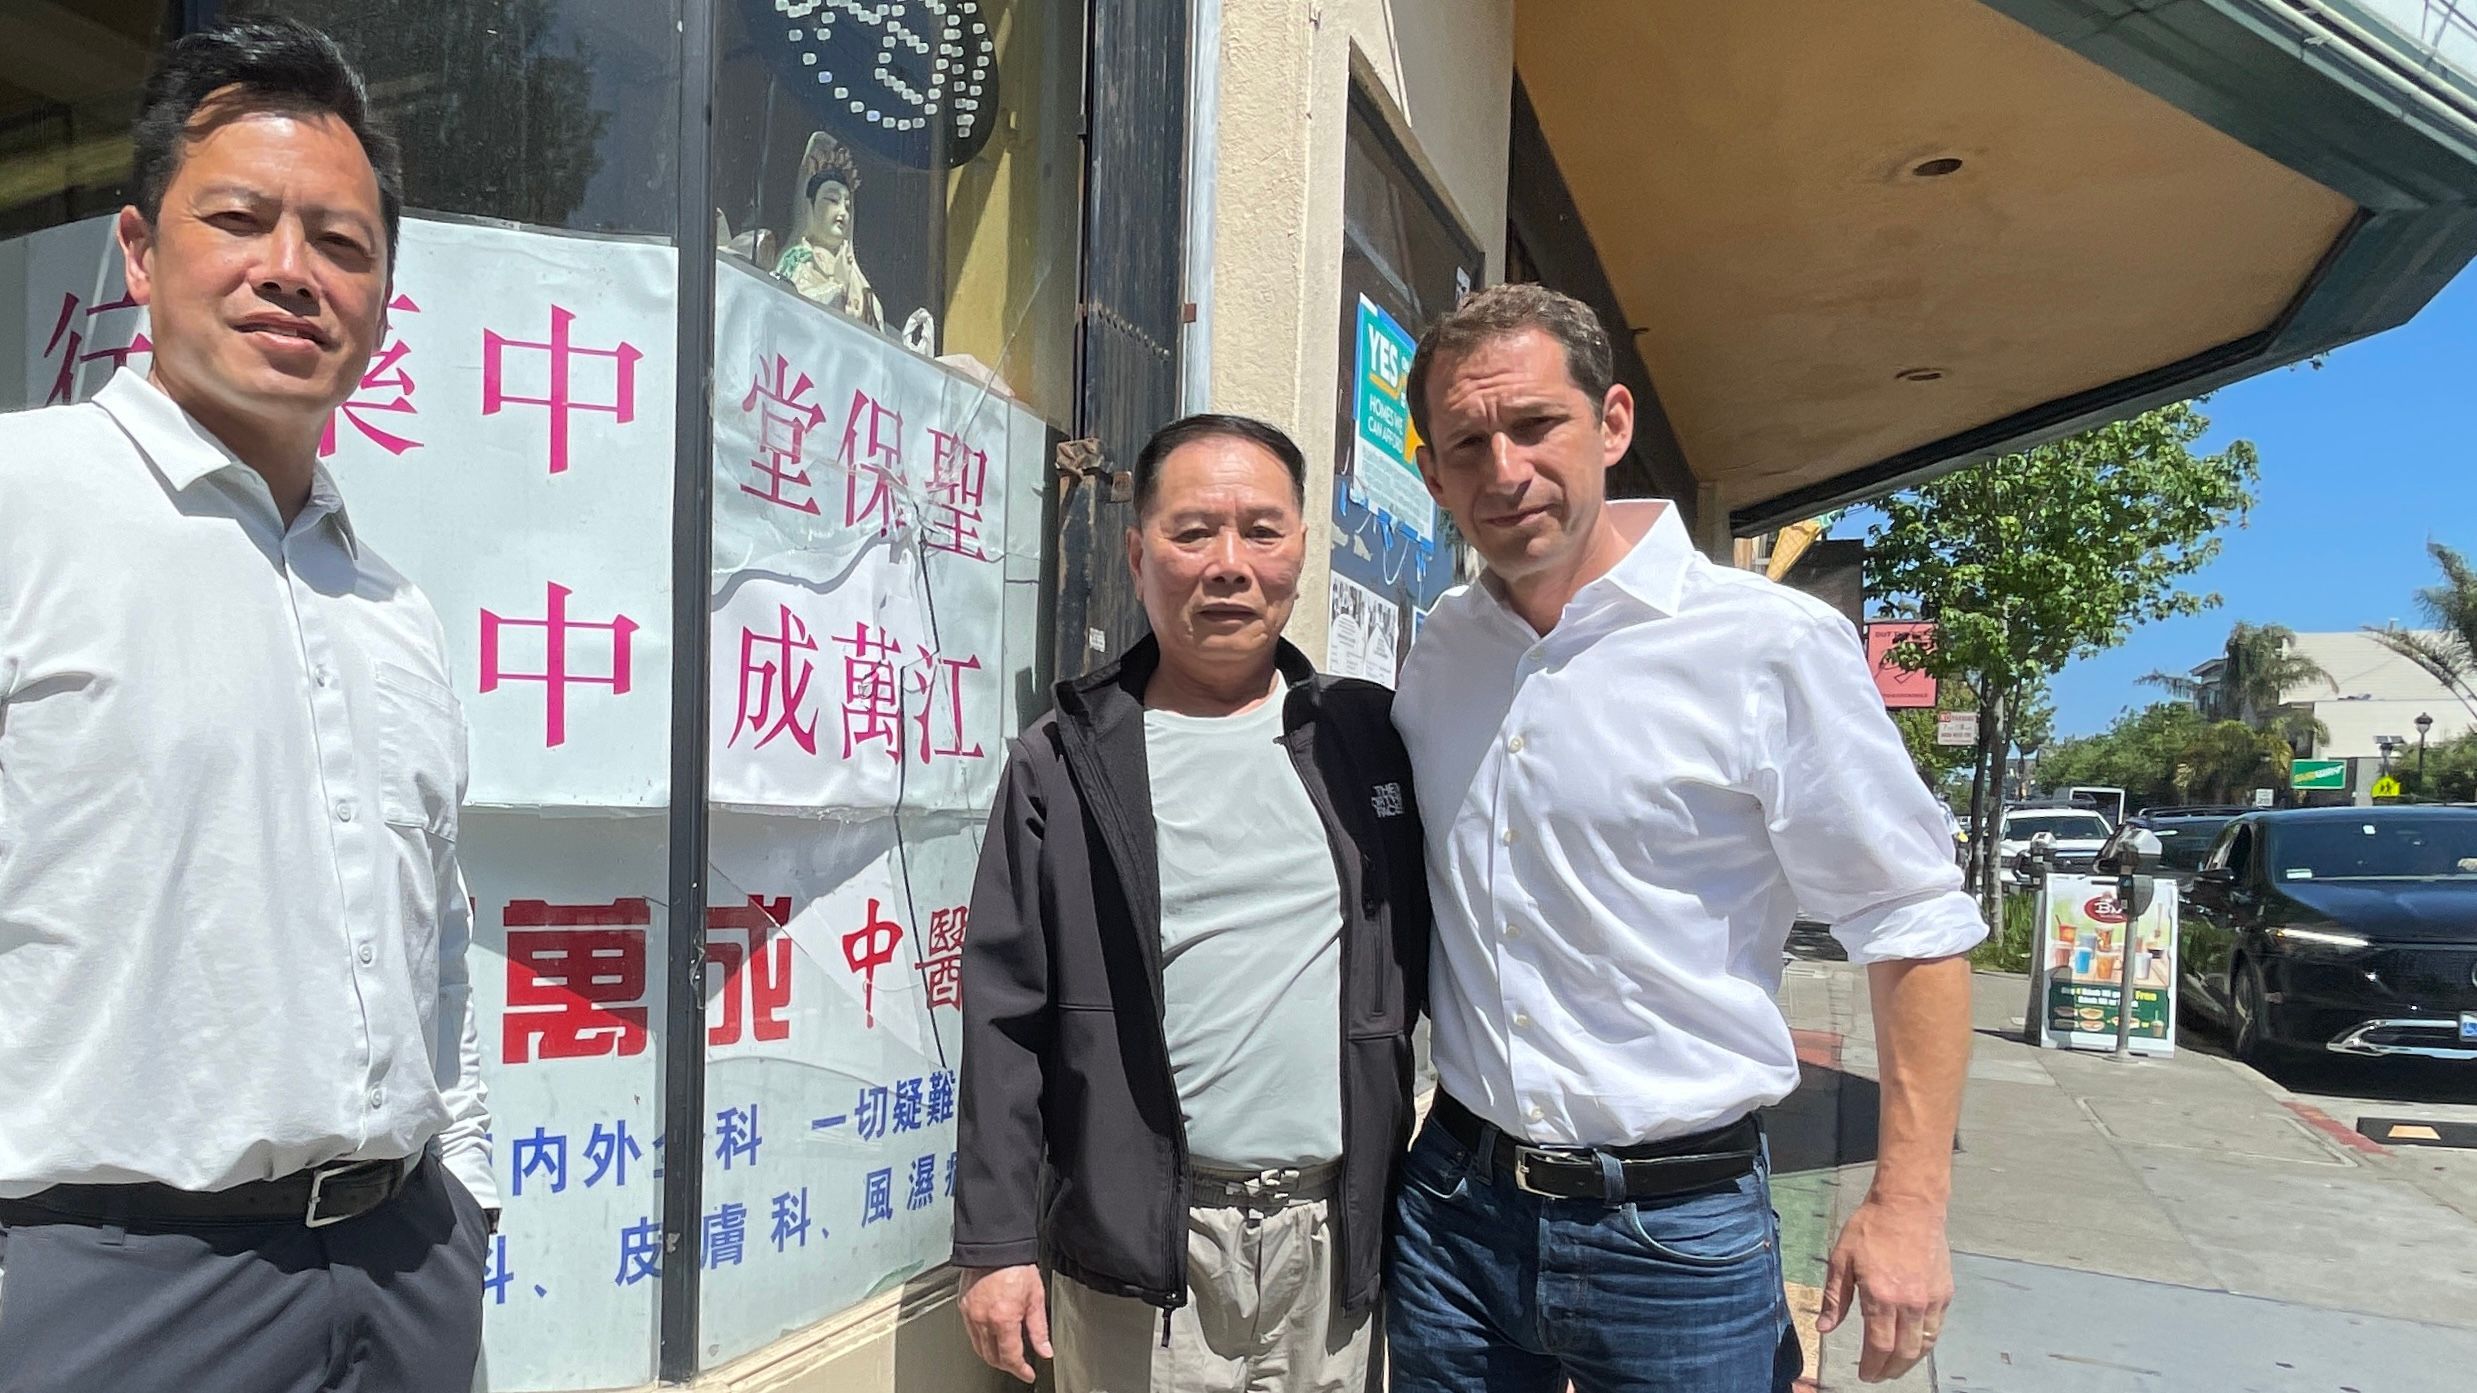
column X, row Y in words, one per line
column 1262, row 1315
column 389, row 1302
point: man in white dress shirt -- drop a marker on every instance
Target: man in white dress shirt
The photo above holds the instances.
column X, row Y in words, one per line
column 1633, row 766
column 242, row 1135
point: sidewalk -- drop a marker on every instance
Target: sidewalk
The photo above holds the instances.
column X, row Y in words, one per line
column 2182, row 1224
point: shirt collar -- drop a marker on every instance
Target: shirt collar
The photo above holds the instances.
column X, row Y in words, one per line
column 184, row 452
column 1652, row 572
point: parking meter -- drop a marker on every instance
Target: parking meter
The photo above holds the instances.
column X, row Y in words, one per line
column 2129, row 856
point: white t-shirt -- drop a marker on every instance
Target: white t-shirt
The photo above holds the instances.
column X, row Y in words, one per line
column 1251, row 941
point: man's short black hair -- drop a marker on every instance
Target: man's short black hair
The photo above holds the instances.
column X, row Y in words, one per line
column 1214, row 425
column 273, row 65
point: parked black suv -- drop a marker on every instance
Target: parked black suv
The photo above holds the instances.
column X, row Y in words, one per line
column 2345, row 929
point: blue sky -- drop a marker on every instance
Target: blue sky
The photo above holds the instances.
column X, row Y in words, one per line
column 2362, row 462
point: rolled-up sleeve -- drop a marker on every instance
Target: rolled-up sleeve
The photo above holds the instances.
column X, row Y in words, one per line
column 1853, row 826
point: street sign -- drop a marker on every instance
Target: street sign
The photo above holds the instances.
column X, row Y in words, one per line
column 1956, row 728
column 2263, row 798
column 2386, row 787
column 2319, row 773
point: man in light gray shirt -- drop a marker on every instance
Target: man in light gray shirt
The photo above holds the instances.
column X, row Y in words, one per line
column 1197, row 940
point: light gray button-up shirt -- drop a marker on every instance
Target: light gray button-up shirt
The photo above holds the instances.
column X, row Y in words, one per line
column 232, row 929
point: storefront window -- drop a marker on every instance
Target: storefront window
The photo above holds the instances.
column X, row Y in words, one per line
column 893, row 326
column 1405, row 261
column 68, row 94
column 551, row 113
column 895, row 196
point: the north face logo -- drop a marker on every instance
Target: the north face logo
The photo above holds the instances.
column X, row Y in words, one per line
column 1388, row 800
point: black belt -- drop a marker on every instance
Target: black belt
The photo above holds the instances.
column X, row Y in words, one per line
column 313, row 1198
column 1652, row 1170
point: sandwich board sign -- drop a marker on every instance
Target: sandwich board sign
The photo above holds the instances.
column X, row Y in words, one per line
column 2329, row 774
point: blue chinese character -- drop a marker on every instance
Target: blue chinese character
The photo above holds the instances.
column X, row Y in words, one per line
column 640, row 1253
column 735, row 1135
column 869, row 1114
column 880, row 1202
column 726, row 1234
column 950, row 1175
column 541, row 1152
column 924, row 1184
column 941, row 1097
column 611, row 1149
column 495, row 1273
column 791, row 1218
column 907, row 1102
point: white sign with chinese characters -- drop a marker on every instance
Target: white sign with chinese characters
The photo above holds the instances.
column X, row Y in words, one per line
column 861, row 559
column 510, row 450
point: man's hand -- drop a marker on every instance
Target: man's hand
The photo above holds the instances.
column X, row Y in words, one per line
column 1894, row 1259
column 1004, row 1310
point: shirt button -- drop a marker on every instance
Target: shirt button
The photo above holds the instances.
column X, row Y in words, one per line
column 1522, row 1020
column 378, row 1096
column 1510, row 835
column 1513, row 930
column 344, row 812
column 325, row 676
column 368, row 955
column 1539, row 1114
column 1514, row 746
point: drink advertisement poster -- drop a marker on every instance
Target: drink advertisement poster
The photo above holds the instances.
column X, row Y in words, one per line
column 2083, row 937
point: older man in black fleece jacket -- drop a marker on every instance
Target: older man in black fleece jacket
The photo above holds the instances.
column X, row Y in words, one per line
column 1198, row 942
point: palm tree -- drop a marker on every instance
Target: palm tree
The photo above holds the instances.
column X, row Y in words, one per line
column 2449, row 652
column 2251, row 682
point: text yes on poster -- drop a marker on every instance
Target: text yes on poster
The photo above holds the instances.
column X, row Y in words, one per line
column 2083, row 937
column 1382, row 468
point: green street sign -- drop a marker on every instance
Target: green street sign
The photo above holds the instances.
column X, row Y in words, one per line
column 2319, row 773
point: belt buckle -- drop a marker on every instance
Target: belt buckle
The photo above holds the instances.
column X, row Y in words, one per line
column 310, row 1217
column 1522, row 1168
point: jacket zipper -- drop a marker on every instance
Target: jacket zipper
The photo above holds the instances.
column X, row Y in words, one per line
column 1302, row 761
column 1148, row 942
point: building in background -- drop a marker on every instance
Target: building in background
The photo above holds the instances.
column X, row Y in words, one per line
column 2374, row 698
column 765, row 376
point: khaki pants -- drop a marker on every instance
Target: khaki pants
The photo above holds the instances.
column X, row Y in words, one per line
column 1262, row 1313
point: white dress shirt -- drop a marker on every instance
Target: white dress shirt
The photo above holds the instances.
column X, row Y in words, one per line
column 1624, row 816
column 232, row 930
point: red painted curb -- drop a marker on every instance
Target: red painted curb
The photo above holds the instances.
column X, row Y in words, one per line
column 2337, row 1131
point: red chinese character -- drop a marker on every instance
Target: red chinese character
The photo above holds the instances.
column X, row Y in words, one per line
column 386, row 374
column 767, row 961
column 939, row 681
column 872, row 692
column 562, row 400
column 75, row 356
column 873, row 453
column 867, row 949
column 575, row 980
column 943, row 977
column 774, row 682
column 942, row 969
column 555, row 675
column 783, row 424
column 959, row 482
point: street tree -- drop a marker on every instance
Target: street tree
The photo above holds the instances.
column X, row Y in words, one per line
column 2449, row 652
column 2255, row 672
column 2057, row 552
column 2140, row 753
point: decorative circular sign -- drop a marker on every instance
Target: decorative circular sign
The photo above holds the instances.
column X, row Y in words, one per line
column 913, row 82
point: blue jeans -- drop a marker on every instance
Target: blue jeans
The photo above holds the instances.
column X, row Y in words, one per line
column 1491, row 1289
